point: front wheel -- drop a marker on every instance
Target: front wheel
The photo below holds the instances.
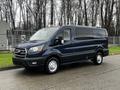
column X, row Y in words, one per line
column 52, row 65
column 98, row 60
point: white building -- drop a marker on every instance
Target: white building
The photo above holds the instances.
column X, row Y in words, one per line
column 3, row 35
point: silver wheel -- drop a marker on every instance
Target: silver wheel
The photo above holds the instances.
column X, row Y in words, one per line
column 52, row 66
column 99, row 59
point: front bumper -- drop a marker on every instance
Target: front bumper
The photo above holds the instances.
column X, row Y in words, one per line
column 29, row 62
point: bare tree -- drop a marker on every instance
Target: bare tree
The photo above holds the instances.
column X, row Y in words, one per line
column 117, row 17
column 80, row 19
column 85, row 13
column 94, row 4
column 52, row 12
column 12, row 13
column 63, row 13
column 107, row 15
column 44, row 13
column 33, row 14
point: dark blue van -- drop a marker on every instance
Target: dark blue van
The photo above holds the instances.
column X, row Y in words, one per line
column 52, row 47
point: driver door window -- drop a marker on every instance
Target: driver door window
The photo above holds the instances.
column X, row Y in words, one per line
column 65, row 34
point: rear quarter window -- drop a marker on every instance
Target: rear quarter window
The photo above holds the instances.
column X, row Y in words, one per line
column 100, row 33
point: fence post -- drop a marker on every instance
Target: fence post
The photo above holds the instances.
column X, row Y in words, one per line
column 114, row 40
column 119, row 39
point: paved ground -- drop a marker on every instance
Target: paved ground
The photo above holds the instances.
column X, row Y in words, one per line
column 84, row 76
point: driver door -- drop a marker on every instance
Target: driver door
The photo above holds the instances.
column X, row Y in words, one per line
column 64, row 48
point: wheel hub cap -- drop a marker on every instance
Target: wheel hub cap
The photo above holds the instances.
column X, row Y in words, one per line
column 52, row 66
column 99, row 59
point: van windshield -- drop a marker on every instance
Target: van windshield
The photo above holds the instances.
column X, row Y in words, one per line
column 44, row 34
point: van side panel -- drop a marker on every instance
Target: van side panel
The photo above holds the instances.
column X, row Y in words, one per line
column 88, row 43
column 83, row 47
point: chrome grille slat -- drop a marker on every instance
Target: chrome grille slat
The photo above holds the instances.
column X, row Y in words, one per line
column 20, row 53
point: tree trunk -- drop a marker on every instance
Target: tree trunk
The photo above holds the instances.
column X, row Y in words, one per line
column 85, row 13
column 52, row 13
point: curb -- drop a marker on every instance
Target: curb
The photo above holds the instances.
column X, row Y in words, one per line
column 9, row 68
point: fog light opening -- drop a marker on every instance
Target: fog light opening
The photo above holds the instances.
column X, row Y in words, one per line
column 34, row 63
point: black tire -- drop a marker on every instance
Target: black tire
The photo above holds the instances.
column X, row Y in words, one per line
column 98, row 60
column 52, row 61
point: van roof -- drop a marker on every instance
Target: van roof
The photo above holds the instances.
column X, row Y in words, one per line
column 84, row 27
column 79, row 26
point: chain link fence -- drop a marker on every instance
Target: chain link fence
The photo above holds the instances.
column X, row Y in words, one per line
column 18, row 36
column 114, row 40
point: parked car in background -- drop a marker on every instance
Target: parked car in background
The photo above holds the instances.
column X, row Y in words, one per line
column 53, row 47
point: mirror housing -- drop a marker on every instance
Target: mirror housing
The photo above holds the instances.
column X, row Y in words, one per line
column 59, row 41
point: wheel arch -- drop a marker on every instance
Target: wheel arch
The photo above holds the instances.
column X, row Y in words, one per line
column 100, row 49
column 54, row 55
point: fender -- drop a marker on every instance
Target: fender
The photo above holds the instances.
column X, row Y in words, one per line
column 99, row 48
column 52, row 52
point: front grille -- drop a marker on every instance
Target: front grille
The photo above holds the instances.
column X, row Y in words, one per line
column 20, row 53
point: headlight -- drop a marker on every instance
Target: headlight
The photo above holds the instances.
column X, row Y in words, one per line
column 36, row 49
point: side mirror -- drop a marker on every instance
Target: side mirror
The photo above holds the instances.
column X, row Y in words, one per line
column 62, row 41
column 59, row 41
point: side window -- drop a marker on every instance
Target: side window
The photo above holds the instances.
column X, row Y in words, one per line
column 65, row 34
column 83, row 34
column 100, row 33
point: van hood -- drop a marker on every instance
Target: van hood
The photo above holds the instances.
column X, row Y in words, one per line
column 30, row 44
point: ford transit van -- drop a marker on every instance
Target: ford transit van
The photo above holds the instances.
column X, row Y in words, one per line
column 50, row 48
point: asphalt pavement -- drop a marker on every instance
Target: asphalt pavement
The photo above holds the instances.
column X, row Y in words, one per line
column 83, row 76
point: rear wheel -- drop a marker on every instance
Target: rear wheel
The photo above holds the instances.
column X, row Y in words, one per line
column 98, row 60
column 52, row 65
